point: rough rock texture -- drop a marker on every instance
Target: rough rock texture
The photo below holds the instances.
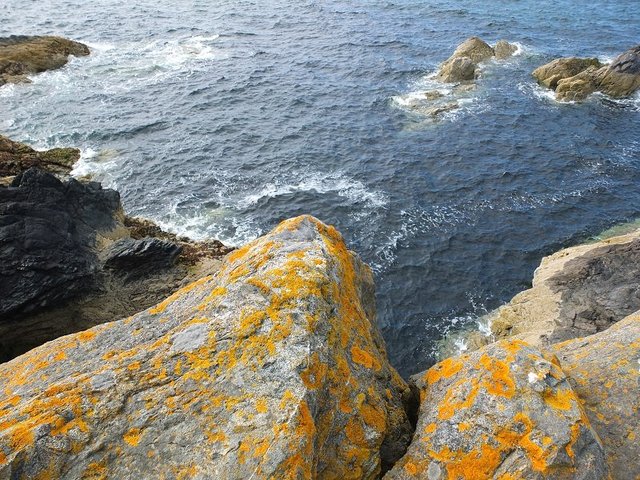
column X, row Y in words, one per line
column 604, row 370
column 16, row 157
column 576, row 292
column 270, row 368
column 24, row 55
column 459, row 69
column 549, row 74
column 503, row 412
column 474, row 49
column 504, row 49
column 60, row 273
column 48, row 230
column 575, row 79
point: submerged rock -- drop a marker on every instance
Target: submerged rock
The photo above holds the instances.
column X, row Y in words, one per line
column 503, row 412
column 576, row 292
column 23, row 55
column 577, row 78
column 270, row 368
column 604, row 370
column 16, row 157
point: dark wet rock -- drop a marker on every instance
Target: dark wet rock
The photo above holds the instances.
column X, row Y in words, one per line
column 604, row 370
column 622, row 77
column 48, row 233
column 61, row 270
column 140, row 256
column 16, row 157
column 23, row 55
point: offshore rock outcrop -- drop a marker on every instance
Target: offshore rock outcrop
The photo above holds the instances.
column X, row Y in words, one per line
column 576, row 292
column 22, row 55
column 269, row 368
column 574, row 79
column 604, row 370
column 69, row 257
column 504, row 412
column 462, row 65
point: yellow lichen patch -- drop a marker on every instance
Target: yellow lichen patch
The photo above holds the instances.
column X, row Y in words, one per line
column 500, row 382
column 60, row 356
column 410, row 468
column 261, row 405
column 134, row 366
column 86, row 336
column 445, row 369
column 95, row 471
column 375, row 418
column 560, row 399
column 364, row 358
column 430, row 428
column 132, row 437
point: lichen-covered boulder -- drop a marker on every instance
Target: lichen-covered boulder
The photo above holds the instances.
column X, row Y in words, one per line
column 604, row 370
column 270, row 368
column 21, row 55
column 503, row 412
column 576, row 292
column 551, row 73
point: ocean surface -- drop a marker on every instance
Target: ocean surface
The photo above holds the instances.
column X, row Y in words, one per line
column 219, row 119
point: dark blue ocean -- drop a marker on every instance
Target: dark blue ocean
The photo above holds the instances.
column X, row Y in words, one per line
column 219, row 119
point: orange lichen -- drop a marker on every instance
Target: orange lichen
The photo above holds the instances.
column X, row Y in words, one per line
column 364, row 358
column 132, row 437
column 410, row 468
column 445, row 369
column 560, row 399
column 313, row 376
column 261, row 405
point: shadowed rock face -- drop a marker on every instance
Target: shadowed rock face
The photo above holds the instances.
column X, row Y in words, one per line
column 61, row 270
column 575, row 79
column 24, row 55
column 270, row 368
column 503, row 412
column 604, row 370
column 16, row 157
column 576, row 292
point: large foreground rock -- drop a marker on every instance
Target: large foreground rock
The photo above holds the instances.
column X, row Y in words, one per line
column 25, row 55
column 575, row 79
column 604, row 370
column 576, row 292
column 61, row 270
column 270, row 368
column 503, row 412
column 16, row 157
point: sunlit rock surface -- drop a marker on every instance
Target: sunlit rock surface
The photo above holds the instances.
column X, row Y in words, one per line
column 270, row 368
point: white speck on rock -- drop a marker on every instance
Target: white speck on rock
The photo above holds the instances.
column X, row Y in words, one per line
column 190, row 338
column 533, row 377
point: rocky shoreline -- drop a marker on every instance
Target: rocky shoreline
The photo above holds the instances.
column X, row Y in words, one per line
column 130, row 352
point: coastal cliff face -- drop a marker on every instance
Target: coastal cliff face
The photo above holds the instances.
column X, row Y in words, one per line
column 270, row 368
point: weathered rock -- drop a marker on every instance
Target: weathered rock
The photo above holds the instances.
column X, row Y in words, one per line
column 551, row 73
column 139, row 257
column 60, row 273
column 580, row 86
column 576, row 292
column 16, row 157
column 474, row 49
column 504, row 49
column 604, row 370
column 503, row 412
column 271, row 368
column 48, row 233
column 23, row 55
column 442, row 108
column 575, row 79
column 459, row 69
column 622, row 77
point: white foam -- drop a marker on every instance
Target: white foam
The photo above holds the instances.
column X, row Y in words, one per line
column 96, row 163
